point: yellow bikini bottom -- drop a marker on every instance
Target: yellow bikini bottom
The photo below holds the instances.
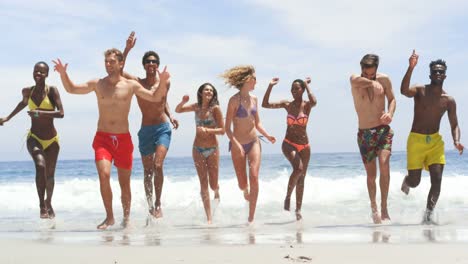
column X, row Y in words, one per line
column 45, row 143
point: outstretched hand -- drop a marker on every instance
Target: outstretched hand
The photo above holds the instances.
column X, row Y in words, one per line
column 185, row 98
column 459, row 147
column 413, row 60
column 272, row 139
column 130, row 41
column 274, row 81
column 164, row 75
column 2, row 120
column 59, row 67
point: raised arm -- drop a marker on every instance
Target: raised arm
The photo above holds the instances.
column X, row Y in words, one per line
column 452, row 115
column 131, row 40
column 157, row 93
column 362, row 85
column 20, row 106
column 182, row 108
column 310, row 95
column 68, row 84
column 266, row 98
column 55, row 96
column 387, row 117
column 405, row 88
column 360, row 82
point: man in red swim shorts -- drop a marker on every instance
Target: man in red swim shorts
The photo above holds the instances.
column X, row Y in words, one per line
column 112, row 141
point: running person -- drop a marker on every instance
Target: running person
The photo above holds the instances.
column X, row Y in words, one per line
column 205, row 151
column 154, row 137
column 43, row 142
column 295, row 145
column 244, row 144
column 425, row 147
column 112, row 141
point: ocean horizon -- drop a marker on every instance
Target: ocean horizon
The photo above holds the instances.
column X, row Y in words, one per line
column 335, row 201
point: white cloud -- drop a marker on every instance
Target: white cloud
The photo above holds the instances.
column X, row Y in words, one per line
column 361, row 23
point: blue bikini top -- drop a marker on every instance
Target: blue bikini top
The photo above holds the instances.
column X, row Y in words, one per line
column 210, row 121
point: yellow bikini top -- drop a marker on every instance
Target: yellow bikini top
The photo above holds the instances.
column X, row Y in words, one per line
column 45, row 104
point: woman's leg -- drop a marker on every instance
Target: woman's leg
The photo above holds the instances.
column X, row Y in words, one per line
column 37, row 154
column 202, row 170
column 51, row 155
column 254, row 157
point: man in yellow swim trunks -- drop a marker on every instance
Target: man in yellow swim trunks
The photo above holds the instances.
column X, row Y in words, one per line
column 425, row 147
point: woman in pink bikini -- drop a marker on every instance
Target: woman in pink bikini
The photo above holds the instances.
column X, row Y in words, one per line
column 295, row 146
column 244, row 144
column 44, row 106
column 205, row 152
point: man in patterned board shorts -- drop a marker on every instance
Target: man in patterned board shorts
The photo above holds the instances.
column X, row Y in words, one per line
column 425, row 147
column 374, row 137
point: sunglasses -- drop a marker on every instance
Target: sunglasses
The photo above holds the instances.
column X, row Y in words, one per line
column 438, row 72
column 152, row 61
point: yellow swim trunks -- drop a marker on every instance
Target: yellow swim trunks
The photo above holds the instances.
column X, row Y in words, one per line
column 424, row 150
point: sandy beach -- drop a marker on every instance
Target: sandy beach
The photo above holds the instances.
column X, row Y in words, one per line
column 18, row 251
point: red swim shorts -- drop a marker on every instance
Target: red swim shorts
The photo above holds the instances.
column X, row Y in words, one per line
column 116, row 147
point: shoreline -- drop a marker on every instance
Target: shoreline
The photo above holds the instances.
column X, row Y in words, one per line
column 17, row 251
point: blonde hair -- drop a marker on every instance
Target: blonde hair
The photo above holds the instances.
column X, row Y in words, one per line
column 238, row 75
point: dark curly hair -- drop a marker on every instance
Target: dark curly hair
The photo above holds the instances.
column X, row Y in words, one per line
column 214, row 101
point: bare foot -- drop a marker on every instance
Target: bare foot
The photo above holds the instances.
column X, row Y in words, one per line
column 157, row 213
column 105, row 224
column 43, row 213
column 384, row 215
column 246, row 194
column 428, row 218
column 298, row 215
column 404, row 187
column 287, row 204
column 376, row 218
column 51, row 212
column 125, row 222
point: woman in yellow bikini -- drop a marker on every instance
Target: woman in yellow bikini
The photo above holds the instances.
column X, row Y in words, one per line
column 205, row 152
column 44, row 105
column 295, row 146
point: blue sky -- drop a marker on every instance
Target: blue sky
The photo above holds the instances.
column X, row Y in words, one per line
column 198, row 40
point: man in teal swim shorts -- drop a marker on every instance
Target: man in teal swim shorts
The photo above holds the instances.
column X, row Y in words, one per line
column 155, row 133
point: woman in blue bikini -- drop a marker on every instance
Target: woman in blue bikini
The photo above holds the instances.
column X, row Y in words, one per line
column 242, row 114
column 209, row 122
column 44, row 105
column 295, row 146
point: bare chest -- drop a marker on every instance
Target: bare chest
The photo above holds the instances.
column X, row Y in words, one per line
column 432, row 105
column 114, row 94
